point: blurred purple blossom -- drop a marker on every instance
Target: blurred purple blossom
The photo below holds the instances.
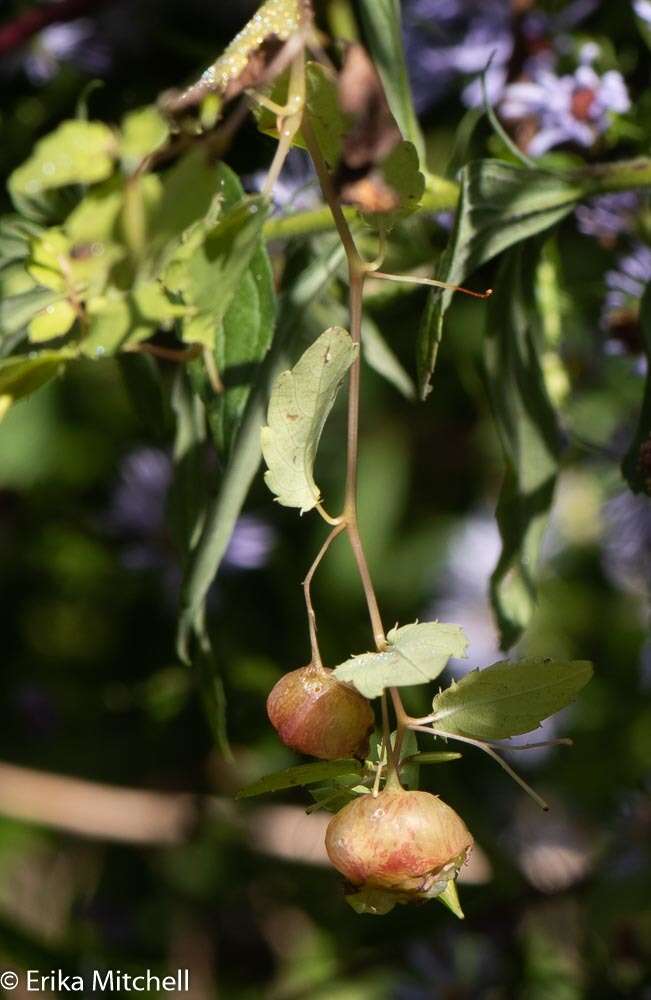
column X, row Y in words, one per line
column 574, row 107
column 627, row 280
column 643, row 10
column 296, row 188
column 137, row 515
column 626, row 550
column 609, row 215
column 449, row 39
column 77, row 42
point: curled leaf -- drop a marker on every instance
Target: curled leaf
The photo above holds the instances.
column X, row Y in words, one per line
column 300, row 403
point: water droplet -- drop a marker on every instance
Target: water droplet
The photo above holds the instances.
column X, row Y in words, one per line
column 49, row 169
column 99, row 352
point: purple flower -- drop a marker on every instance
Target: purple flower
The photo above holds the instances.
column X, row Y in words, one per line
column 626, row 551
column 251, row 544
column 297, row 187
column 643, row 10
column 609, row 215
column 448, row 39
column 571, row 108
column 75, row 42
column 627, row 281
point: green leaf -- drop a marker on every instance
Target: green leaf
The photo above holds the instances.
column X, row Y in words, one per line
column 143, row 132
column 500, row 205
column 508, row 698
column 637, row 463
column 304, row 774
column 190, row 192
column 329, row 122
column 381, row 19
column 77, row 152
column 118, row 320
column 49, row 252
column 53, row 321
column 17, row 311
column 16, row 235
column 301, row 400
column 530, row 438
column 244, row 460
column 415, row 654
column 20, row 376
column 401, row 173
column 188, row 495
column 380, row 357
column 435, row 757
column 242, row 341
column 207, row 270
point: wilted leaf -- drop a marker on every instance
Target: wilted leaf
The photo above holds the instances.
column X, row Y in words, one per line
column 509, row 698
column 415, row 654
column 304, row 774
column 300, row 403
column 500, row 205
column 530, row 437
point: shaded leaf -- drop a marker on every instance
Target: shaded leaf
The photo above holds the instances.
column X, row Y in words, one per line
column 381, row 358
column 500, row 205
column 530, row 438
column 637, row 463
column 225, row 507
column 381, row 19
column 20, row 376
column 16, row 234
column 242, row 341
column 301, row 400
column 304, row 774
column 415, row 654
column 207, row 269
column 509, row 698
column 142, row 132
column 17, row 311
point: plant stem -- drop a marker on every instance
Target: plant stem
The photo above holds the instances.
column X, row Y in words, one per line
column 307, row 591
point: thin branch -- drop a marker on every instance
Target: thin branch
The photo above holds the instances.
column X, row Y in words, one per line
column 307, row 591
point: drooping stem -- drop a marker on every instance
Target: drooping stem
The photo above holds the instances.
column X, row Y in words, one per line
column 487, row 748
column 307, row 591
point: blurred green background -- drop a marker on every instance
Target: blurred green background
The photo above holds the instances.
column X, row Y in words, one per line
column 557, row 906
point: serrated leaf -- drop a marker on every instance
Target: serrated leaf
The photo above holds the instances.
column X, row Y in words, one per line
column 530, row 438
column 243, row 339
column 206, row 271
column 415, row 654
column 77, row 152
column 637, row 463
column 508, row 698
column 500, row 205
column 300, row 402
column 304, row 774
column 381, row 20
column 401, row 174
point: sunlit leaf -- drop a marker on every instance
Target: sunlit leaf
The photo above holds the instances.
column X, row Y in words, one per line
column 300, row 403
column 16, row 311
column 20, row 376
column 304, row 774
column 509, row 698
column 142, row 132
column 53, row 321
column 77, row 152
column 415, row 654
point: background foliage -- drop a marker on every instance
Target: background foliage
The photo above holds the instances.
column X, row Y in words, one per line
column 555, row 906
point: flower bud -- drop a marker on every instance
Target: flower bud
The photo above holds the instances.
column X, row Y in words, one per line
column 397, row 847
column 316, row 714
